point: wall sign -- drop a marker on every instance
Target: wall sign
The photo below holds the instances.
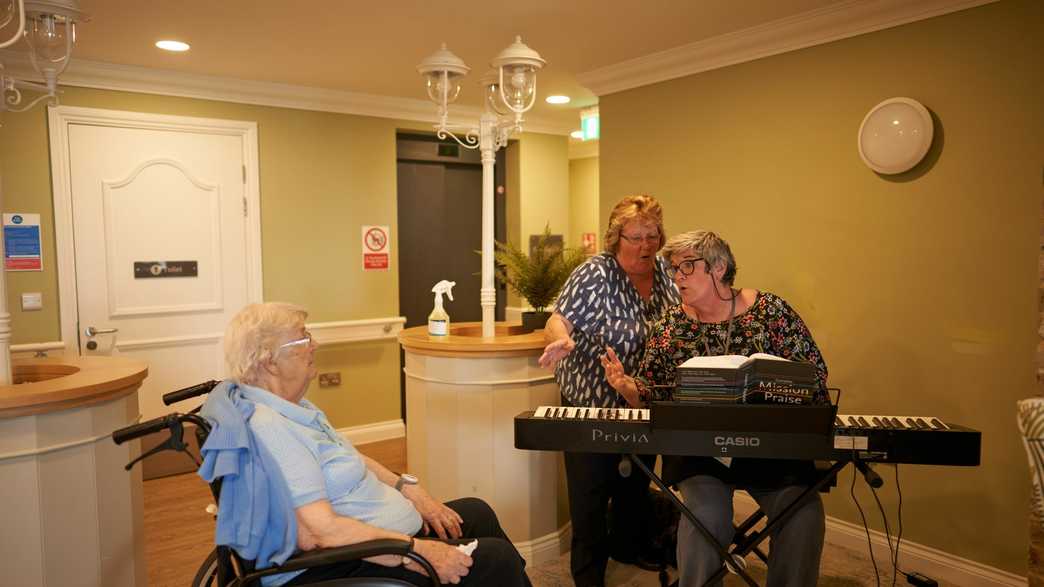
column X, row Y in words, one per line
column 375, row 248
column 153, row 269
column 22, row 242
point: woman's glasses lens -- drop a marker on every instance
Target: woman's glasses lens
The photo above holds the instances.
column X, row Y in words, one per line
column 686, row 267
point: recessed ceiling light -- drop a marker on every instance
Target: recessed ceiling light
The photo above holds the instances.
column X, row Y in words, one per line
column 177, row 46
column 557, row 99
column 577, row 134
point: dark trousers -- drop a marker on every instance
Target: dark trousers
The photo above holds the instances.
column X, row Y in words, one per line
column 496, row 562
column 594, row 480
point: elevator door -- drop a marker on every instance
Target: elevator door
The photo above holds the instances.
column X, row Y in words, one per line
column 440, row 228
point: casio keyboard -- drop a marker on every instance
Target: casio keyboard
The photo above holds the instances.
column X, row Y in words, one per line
column 738, row 430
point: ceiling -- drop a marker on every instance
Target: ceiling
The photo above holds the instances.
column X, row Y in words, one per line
column 374, row 47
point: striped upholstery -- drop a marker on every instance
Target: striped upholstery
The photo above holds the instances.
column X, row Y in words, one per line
column 1031, row 425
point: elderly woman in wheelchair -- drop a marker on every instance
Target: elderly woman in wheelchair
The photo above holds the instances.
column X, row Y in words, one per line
column 291, row 483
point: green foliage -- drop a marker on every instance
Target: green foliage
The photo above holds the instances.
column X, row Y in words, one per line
column 539, row 278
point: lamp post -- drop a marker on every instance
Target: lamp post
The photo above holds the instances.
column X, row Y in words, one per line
column 49, row 28
column 510, row 90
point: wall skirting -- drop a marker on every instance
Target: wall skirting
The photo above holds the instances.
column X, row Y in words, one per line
column 546, row 548
column 946, row 568
column 375, row 432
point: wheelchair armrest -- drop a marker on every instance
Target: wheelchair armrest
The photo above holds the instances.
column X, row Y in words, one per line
column 339, row 554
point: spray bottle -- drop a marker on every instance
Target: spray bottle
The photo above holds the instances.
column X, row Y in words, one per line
column 438, row 320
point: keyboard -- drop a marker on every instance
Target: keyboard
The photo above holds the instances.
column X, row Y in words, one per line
column 737, row 430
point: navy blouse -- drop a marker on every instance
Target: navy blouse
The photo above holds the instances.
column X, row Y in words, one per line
column 605, row 308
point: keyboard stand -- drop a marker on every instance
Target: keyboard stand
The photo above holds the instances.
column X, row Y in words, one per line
column 744, row 542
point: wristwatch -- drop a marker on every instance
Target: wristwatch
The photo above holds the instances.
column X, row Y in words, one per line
column 405, row 479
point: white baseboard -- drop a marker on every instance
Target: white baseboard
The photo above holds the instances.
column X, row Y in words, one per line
column 944, row 567
column 375, row 432
column 547, row 547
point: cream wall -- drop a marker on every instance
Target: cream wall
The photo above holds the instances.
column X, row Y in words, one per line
column 920, row 288
column 583, row 200
column 322, row 176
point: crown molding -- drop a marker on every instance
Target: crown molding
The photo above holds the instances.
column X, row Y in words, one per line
column 131, row 78
column 815, row 27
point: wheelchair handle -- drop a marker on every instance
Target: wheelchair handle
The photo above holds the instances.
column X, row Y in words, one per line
column 191, row 391
column 143, row 428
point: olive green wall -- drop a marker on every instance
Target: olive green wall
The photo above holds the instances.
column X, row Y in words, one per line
column 920, row 288
column 322, row 176
column 583, row 200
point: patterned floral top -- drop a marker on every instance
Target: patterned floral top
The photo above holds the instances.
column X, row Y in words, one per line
column 771, row 326
column 605, row 308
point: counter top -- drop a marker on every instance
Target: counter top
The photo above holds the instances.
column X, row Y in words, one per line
column 52, row 384
column 465, row 339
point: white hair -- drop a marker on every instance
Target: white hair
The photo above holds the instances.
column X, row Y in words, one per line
column 254, row 334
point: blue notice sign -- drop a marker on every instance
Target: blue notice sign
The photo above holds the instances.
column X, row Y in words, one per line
column 22, row 251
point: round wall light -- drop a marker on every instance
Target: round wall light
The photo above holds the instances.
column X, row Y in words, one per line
column 895, row 135
column 171, row 45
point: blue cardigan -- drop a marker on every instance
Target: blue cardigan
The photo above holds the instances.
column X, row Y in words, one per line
column 255, row 516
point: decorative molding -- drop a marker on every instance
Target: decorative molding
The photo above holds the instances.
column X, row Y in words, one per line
column 32, row 348
column 144, row 80
column 328, row 333
column 375, row 432
column 815, row 27
column 547, row 547
column 540, row 379
column 169, row 341
column 944, row 567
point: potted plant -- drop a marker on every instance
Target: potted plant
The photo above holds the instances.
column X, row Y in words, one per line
column 537, row 277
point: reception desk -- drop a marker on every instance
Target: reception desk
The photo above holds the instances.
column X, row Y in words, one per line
column 70, row 514
column 462, row 394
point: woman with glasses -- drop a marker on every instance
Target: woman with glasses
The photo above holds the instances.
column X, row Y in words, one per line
column 716, row 318
column 610, row 301
column 334, row 495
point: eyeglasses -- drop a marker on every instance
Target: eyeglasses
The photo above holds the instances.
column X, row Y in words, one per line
column 307, row 340
column 686, row 267
column 651, row 239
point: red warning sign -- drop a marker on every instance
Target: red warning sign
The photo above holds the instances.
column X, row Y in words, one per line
column 375, row 248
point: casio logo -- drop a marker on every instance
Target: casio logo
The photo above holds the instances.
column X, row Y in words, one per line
column 737, row 441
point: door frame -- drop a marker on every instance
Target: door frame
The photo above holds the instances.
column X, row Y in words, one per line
column 59, row 118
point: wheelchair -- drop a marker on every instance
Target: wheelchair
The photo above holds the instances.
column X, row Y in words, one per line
column 224, row 567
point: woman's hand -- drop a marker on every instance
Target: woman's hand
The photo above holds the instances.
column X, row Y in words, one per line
column 448, row 561
column 556, row 351
column 618, row 378
column 438, row 518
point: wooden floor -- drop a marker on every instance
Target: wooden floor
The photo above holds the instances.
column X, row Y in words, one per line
column 179, row 533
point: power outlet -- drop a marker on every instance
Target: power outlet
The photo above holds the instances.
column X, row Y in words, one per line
column 332, row 379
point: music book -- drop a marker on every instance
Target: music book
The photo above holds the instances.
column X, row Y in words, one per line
column 759, row 378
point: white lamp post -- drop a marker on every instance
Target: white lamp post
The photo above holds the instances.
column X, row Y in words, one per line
column 49, row 28
column 510, row 89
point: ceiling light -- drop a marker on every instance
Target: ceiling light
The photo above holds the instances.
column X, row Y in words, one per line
column 557, row 99
column 577, row 134
column 176, row 46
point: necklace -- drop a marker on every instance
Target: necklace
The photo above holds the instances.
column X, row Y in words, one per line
column 728, row 331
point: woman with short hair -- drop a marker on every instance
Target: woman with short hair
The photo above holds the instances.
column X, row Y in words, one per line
column 338, row 496
column 714, row 318
column 610, row 301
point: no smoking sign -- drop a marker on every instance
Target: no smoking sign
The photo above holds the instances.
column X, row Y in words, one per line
column 375, row 248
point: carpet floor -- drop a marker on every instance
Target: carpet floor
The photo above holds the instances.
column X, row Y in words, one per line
column 840, row 567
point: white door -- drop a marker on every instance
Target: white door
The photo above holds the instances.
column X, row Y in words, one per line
column 162, row 242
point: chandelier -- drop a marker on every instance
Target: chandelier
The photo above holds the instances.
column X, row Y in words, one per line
column 49, row 29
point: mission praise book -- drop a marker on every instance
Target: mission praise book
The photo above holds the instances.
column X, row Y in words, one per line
column 758, row 379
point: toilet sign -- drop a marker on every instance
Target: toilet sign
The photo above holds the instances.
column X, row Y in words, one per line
column 375, row 248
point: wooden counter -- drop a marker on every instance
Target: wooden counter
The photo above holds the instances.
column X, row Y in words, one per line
column 71, row 514
column 462, row 395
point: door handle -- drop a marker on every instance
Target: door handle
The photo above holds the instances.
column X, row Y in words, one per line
column 90, row 331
